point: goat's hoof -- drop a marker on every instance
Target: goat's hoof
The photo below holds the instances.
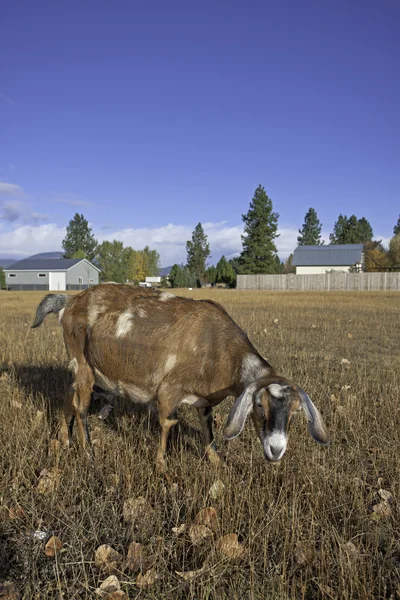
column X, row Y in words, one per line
column 214, row 458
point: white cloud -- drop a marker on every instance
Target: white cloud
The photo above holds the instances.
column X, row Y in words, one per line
column 30, row 239
column 10, row 189
column 169, row 240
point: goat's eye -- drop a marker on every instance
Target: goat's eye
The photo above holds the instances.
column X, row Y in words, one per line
column 258, row 401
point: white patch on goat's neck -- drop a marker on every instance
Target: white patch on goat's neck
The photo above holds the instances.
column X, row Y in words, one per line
column 252, row 369
column 276, row 390
column 170, row 363
column 164, row 296
column 124, row 323
column 61, row 314
column 73, row 365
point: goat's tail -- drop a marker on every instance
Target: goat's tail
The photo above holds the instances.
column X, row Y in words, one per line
column 52, row 303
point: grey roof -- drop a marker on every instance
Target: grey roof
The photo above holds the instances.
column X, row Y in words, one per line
column 332, row 255
column 45, row 264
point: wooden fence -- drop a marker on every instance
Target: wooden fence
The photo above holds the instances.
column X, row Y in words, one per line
column 335, row 282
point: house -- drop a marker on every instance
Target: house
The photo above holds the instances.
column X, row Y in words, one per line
column 153, row 280
column 51, row 273
column 332, row 257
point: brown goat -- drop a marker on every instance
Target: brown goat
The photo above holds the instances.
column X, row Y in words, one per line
column 152, row 346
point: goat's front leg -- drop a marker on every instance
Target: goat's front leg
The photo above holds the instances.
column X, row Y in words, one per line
column 166, row 423
column 206, row 421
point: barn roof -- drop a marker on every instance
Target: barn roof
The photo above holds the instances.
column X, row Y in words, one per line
column 330, row 255
column 46, row 264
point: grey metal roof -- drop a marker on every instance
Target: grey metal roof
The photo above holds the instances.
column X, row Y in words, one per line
column 45, row 264
column 331, row 255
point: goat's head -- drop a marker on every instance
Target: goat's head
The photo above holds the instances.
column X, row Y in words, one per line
column 272, row 403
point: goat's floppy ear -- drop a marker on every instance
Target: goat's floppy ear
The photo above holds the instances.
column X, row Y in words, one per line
column 240, row 410
column 316, row 426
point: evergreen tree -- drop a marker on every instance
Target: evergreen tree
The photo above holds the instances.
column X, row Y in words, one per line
column 396, row 228
column 79, row 238
column 261, row 223
column 180, row 277
column 2, row 279
column 198, row 251
column 236, row 264
column 364, row 231
column 175, row 276
column 350, row 230
column 224, row 272
column 279, row 265
column 211, row 275
column 310, row 233
column 288, row 266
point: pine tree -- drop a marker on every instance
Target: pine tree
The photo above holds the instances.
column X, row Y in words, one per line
column 211, row 274
column 180, row 277
column 198, row 251
column 310, row 233
column 261, row 223
column 396, row 228
column 2, row 279
column 350, row 230
column 79, row 238
column 288, row 266
column 279, row 265
column 364, row 231
column 224, row 272
column 236, row 265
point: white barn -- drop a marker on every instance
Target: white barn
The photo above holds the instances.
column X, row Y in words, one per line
column 317, row 260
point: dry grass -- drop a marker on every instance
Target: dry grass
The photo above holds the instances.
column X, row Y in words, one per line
column 295, row 520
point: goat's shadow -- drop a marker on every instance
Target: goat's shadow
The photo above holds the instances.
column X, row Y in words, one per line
column 47, row 386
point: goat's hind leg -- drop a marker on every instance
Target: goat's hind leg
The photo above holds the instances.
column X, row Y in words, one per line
column 83, row 386
column 67, row 417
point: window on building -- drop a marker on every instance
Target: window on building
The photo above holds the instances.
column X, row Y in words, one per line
column 80, row 280
column 41, row 274
column 12, row 274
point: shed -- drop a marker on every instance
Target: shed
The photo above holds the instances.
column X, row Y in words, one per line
column 54, row 274
column 153, row 280
column 332, row 257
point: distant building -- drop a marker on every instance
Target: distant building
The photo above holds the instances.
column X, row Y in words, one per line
column 54, row 274
column 153, row 280
column 332, row 257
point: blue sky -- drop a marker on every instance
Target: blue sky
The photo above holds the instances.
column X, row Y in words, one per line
column 150, row 117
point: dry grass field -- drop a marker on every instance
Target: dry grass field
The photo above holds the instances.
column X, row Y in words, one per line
column 323, row 523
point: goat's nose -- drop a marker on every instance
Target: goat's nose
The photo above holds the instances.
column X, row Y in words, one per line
column 276, row 451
